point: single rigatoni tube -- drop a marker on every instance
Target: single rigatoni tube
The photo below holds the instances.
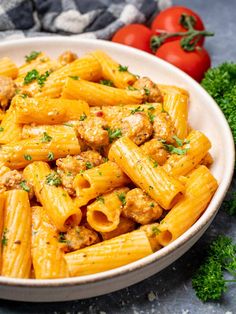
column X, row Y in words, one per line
column 47, row 255
column 46, row 147
column 87, row 68
column 125, row 225
column 177, row 107
column 2, row 202
column 48, row 111
column 155, row 181
column 38, row 130
column 97, row 94
column 11, row 130
column 55, row 200
column 104, row 214
column 200, row 188
column 197, row 147
column 98, row 180
column 109, row 254
column 16, row 239
column 8, row 68
column 111, row 70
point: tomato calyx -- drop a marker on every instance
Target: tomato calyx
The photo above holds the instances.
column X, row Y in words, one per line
column 189, row 39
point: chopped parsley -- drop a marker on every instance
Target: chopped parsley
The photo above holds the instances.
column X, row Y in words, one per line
column 150, row 187
column 74, row 77
column 42, row 78
column 31, row 76
column 88, row 165
column 69, row 124
column 174, row 150
column 121, row 197
column 46, row 138
column 107, row 83
column 1, row 129
column 155, row 164
column 178, row 140
column 50, row 156
column 122, row 68
column 100, row 199
column 32, row 56
column 151, row 108
column 83, row 117
column 147, row 91
column 151, row 117
column 105, row 159
column 24, row 186
column 131, row 88
column 155, row 230
column 53, row 179
column 62, row 237
column 4, row 237
column 152, row 205
column 28, row 157
column 113, row 134
column 138, row 109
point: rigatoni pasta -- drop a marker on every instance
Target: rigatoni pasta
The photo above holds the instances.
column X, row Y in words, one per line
column 98, row 166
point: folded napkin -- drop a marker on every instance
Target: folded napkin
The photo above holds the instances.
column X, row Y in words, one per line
column 83, row 18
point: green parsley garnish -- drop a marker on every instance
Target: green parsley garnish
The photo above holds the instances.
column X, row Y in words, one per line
column 151, row 108
column 46, row 138
column 105, row 159
column 113, row 134
column 150, row 187
column 138, row 109
column 24, row 95
column 178, row 140
column 50, row 156
column 32, row 56
column 121, row 197
column 62, row 237
column 42, row 78
column 100, row 199
column 147, row 91
column 4, row 237
column 151, row 117
column 1, row 129
column 131, row 88
column 83, row 117
column 174, row 150
column 28, row 157
column 89, row 165
column 152, row 205
column 75, row 77
column 53, row 179
column 122, row 68
column 155, row 164
column 31, row 76
column 209, row 282
column 155, row 230
column 24, row 186
column 107, row 83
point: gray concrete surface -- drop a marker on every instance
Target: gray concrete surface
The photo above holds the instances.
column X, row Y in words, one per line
column 170, row 291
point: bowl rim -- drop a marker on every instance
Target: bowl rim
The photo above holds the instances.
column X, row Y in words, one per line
column 209, row 213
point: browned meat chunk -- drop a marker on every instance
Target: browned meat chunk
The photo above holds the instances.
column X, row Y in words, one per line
column 12, row 180
column 163, row 127
column 150, row 90
column 140, row 207
column 7, row 90
column 67, row 57
column 155, row 150
column 125, row 225
column 69, row 166
column 79, row 237
column 137, row 127
column 92, row 131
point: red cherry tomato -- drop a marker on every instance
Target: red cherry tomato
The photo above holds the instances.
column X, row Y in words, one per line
column 134, row 35
column 169, row 21
column 194, row 63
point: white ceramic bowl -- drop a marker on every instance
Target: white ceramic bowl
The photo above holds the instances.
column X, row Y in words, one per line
column 204, row 115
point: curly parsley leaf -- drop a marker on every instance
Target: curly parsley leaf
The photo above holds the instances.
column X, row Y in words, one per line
column 53, row 179
column 32, row 56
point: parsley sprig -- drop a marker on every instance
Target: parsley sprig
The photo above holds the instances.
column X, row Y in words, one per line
column 32, row 56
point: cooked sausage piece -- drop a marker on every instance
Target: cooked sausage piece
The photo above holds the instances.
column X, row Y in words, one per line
column 7, row 90
column 155, row 150
column 163, row 127
column 92, row 131
column 79, row 237
column 137, row 127
column 67, row 57
column 150, row 90
column 141, row 207
column 69, row 166
column 14, row 179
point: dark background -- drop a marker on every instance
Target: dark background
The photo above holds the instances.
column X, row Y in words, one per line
column 172, row 286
